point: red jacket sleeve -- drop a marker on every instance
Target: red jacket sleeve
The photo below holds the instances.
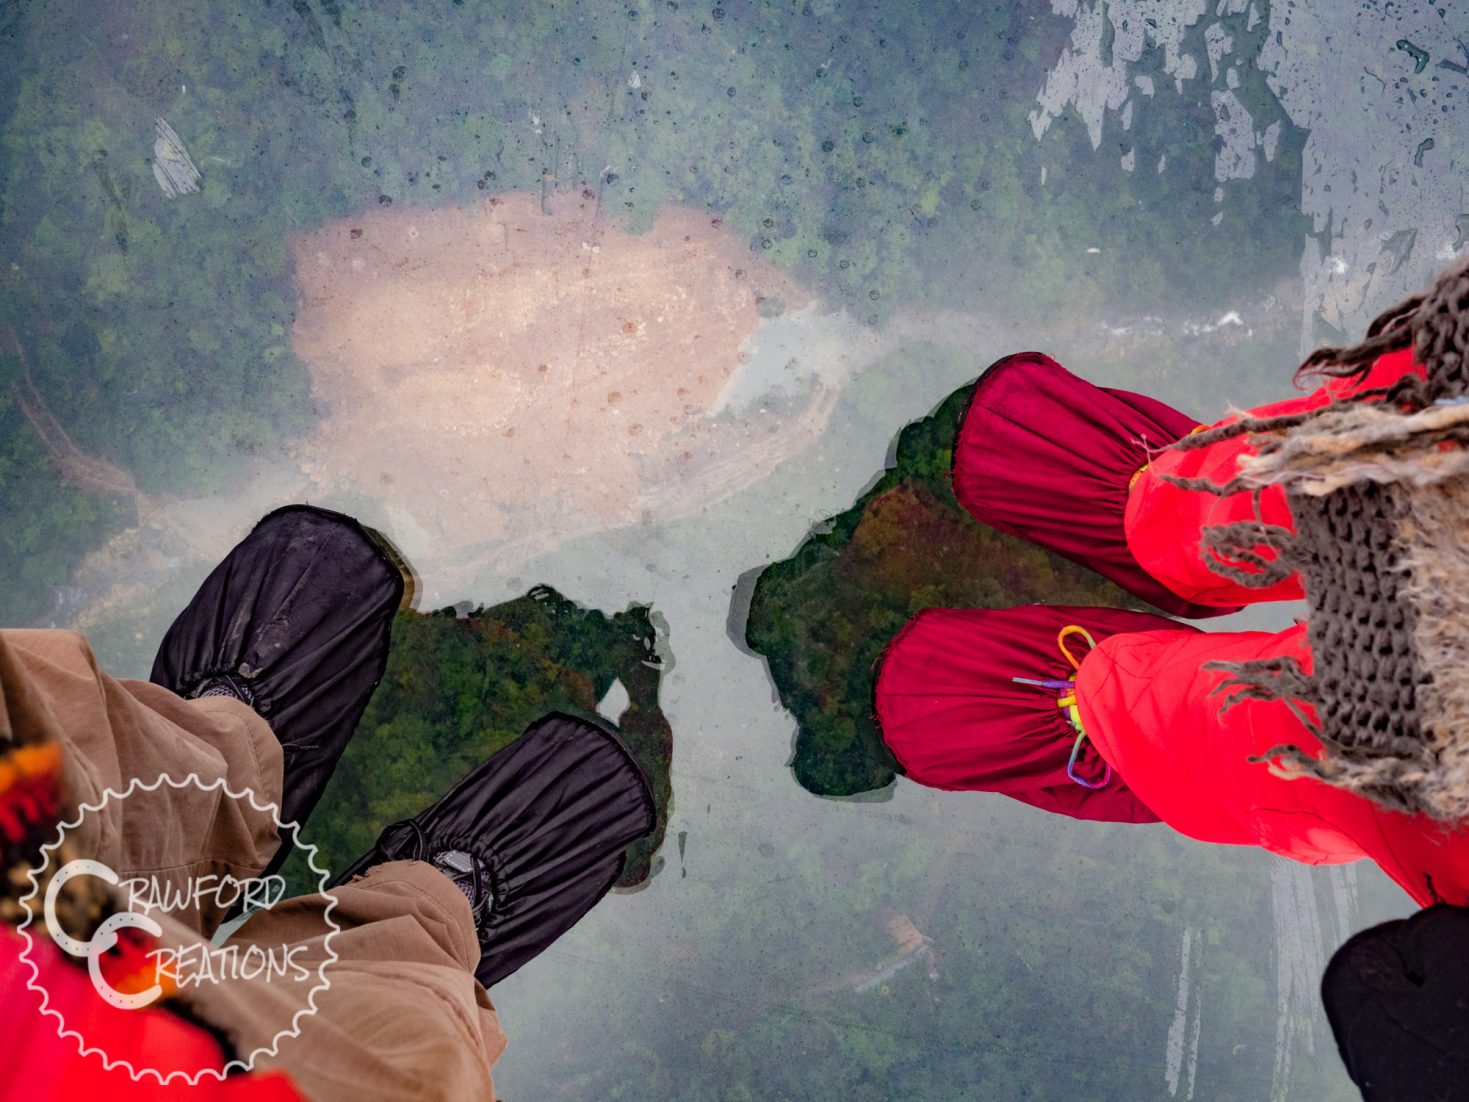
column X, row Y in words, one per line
column 1165, row 524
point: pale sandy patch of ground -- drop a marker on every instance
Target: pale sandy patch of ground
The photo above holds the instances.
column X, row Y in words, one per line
column 738, row 441
column 487, row 369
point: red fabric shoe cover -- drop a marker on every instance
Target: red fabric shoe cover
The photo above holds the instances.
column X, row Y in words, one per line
column 1046, row 456
column 947, row 707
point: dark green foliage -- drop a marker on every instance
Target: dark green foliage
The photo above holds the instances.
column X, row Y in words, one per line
column 883, row 152
column 48, row 525
column 822, row 617
column 1056, row 958
column 879, row 150
column 459, row 688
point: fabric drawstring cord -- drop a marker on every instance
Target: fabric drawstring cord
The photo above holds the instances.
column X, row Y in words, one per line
column 1071, row 766
column 1066, row 702
column 1061, row 642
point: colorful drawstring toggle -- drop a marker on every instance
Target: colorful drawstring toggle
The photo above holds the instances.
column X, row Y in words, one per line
column 1066, row 701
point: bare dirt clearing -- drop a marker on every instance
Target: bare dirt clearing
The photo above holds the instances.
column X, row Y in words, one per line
column 481, row 368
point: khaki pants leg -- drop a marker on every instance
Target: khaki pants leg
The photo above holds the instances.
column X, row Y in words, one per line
column 115, row 732
column 403, row 1015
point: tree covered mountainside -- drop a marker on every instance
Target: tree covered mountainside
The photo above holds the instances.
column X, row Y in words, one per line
column 1064, row 961
column 822, row 617
column 883, row 155
column 461, row 685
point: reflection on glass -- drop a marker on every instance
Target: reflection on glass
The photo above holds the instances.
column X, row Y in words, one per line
column 821, row 221
column 463, row 682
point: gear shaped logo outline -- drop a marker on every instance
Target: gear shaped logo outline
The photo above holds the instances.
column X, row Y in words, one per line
column 140, row 1073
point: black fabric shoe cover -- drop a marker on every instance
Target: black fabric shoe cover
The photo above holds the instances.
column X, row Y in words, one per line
column 533, row 837
column 295, row 622
column 1397, row 997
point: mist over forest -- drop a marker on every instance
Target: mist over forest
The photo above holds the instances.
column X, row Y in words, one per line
column 869, row 203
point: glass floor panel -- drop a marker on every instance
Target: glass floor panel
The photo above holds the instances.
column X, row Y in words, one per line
column 628, row 300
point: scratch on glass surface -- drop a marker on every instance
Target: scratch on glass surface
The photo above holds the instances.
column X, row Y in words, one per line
column 173, row 168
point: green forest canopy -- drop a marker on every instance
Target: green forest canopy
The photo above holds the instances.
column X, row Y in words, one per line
column 822, row 618
column 460, row 686
column 884, row 156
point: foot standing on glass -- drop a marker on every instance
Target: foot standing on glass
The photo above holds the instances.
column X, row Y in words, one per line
column 259, row 685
